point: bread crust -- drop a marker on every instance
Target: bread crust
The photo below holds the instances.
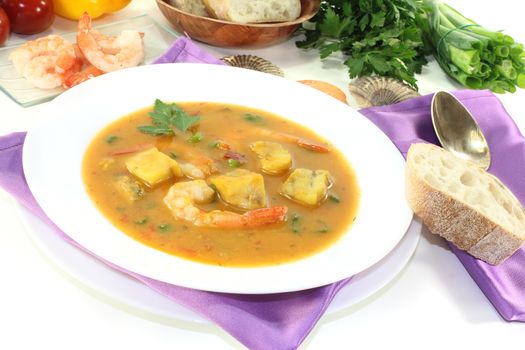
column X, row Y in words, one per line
column 445, row 216
column 496, row 247
column 449, row 217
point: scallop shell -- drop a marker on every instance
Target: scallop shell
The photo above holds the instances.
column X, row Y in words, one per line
column 254, row 63
column 378, row 91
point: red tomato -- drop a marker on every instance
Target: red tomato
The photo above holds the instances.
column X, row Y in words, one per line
column 29, row 16
column 4, row 26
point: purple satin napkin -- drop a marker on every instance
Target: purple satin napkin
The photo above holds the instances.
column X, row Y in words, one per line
column 273, row 321
column 408, row 122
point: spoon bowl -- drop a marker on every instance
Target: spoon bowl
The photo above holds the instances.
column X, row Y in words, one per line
column 457, row 130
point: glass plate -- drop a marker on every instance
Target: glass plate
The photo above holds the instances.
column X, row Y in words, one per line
column 157, row 39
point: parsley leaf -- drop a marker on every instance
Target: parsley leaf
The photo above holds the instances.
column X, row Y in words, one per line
column 165, row 117
column 182, row 120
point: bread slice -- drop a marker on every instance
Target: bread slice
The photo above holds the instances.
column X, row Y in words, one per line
column 254, row 11
column 195, row 7
column 463, row 203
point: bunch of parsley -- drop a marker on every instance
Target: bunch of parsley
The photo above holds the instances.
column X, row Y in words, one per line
column 376, row 36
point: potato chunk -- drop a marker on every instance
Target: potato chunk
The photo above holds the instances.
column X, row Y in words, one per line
column 241, row 188
column 275, row 159
column 153, row 167
column 307, row 186
column 130, row 188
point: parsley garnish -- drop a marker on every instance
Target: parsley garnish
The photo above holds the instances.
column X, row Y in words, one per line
column 334, row 198
column 197, row 137
column 165, row 117
column 142, row 220
column 295, row 223
column 214, row 144
column 253, row 118
column 324, row 227
column 111, row 138
column 378, row 37
column 164, row 228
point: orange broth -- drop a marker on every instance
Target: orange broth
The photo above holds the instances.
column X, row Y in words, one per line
column 150, row 222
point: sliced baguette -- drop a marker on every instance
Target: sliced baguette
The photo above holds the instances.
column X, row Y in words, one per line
column 195, row 7
column 254, row 11
column 463, row 203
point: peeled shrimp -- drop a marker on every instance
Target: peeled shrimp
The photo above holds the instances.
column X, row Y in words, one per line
column 109, row 53
column 183, row 196
column 45, row 62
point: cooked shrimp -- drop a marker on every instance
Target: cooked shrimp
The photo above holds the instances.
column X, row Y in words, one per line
column 45, row 62
column 183, row 196
column 109, row 53
column 81, row 76
column 51, row 45
column 297, row 140
column 41, row 72
column 191, row 171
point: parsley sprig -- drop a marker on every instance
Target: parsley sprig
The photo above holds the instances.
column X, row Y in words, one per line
column 166, row 117
column 376, row 36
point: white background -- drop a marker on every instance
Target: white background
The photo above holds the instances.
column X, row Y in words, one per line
column 432, row 304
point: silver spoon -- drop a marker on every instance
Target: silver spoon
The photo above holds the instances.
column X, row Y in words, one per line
column 457, row 130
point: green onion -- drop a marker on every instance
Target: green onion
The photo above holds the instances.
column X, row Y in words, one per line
column 233, row 163
column 324, row 227
column 334, row 198
column 164, row 227
column 197, row 137
column 111, row 138
column 476, row 57
column 214, row 144
column 295, row 223
column 142, row 220
column 253, row 118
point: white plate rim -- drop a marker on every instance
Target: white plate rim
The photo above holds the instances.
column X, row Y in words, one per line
column 123, row 251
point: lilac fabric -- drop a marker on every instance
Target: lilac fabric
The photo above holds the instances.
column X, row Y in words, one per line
column 184, row 50
column 273, row 321
column 408, row 122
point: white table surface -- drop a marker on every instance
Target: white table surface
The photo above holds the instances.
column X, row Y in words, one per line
column 433, row 303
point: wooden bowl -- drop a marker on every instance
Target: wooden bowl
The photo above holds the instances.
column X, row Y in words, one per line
column 228, row 34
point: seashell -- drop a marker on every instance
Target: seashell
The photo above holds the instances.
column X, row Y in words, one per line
column 371, row 91
column 253, row 63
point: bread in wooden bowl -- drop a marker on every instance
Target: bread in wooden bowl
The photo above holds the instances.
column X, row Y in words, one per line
column 463, row 203
column 195, row 7
column 254, row 11
column 226, row 33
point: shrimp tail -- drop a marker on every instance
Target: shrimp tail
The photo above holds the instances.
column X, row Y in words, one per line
column 84, row 23
column 81, row 76
column 265, row 216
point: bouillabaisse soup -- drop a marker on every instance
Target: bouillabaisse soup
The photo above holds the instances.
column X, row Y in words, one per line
column 221, row 184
